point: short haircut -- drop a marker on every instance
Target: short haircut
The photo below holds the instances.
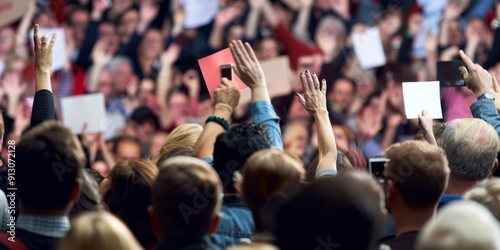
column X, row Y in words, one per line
column 461, row 225
column 335, row 211
column 50, row 160
column 120, row 139
column 181, row 184
column 130, row 195
column 419, row 171
column 267, row 174
column 233, row 148
column 471, row 146
column 98, row 230
column 487, row 193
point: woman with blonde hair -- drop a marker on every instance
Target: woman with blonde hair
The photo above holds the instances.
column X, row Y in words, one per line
column 184, row 135
column 127, row 193
column 98, row 230
column 270, row 177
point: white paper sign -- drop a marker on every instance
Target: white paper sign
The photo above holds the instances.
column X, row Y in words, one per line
column 59, row 56
column 199, row 12
column 368, row 48
column 90, row 109
column 422, row 95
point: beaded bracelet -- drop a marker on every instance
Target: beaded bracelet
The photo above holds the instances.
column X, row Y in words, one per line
column 218, row 120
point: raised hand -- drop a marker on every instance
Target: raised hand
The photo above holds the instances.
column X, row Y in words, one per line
column 314, row 97
column 192, row 81
column 476, row 78
column 431, row 42
column 327, row 43
column 98, row 8
column 171, row 54
column 227, row 15
column 12, row 85
column 425, row 122
column 227, row 94
column 452, row 10
column 247, row 66
column 258, row 4
column 306, row 3
column 43, row 51
column 100, row 54
column 148, row 11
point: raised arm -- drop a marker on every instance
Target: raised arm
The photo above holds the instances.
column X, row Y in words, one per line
column 250, row 72
column 301, row 26
column 164, row 81
column 425, row 123
column 226, row 98
column 43, row 104
column 314, row 101
column 252, row 22
column 22, row 32
column 224, row 17
column 481, row 83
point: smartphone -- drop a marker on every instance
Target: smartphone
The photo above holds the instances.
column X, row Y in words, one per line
column 448, row 74
column 377, row 166
column 226, row 70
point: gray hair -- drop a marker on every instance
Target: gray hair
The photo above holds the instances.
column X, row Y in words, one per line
column 117, row 60
column 471, row 146
column 335, row 21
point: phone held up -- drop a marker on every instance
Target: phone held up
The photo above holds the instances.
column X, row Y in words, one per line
column 226, row 70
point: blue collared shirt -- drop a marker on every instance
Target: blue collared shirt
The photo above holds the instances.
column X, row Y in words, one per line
column 486, row 110
column 49, row 226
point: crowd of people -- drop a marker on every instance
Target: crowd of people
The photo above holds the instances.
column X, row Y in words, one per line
column 177, row 167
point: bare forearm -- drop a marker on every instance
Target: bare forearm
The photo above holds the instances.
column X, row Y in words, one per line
column 443, row 33
column 431, row 60
column 22, row 33
column 43, row 81
column 269, row 15
column 204, row 147
column 251, row 24
column 302, row 23
column 215, row 40
column 12, row 108
column 326, row 142
column 163, row 81
column 260, row 93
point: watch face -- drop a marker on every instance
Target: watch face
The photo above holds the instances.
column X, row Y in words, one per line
column 489, row 96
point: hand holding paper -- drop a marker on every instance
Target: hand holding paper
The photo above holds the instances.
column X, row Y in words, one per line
column 420, row 96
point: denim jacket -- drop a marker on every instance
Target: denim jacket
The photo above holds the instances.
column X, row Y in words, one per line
column 236, row 224
column 485, row 109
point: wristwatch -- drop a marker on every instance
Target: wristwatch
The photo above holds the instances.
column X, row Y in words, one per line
column 486, row 95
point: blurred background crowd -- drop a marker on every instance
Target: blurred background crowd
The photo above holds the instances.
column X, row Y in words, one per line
column 142, row 56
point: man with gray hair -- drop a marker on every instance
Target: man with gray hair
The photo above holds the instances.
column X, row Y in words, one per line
column 471, row 146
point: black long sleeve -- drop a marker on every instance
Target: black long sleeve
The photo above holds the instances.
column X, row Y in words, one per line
column 88, row 44
column 404, row 55
column 43, row 108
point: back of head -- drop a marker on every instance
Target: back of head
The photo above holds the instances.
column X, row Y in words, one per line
column 419, row 171
column 184, row 135
column 177, row 151
column 90, row 199
column 186, row 197
column 471, row 146
column 269, row 174
column 461, row 225
column 98, row 230
column 332, row 213
column 487, row 193
column 129, row 195
column 49, row 162
column 233, row 148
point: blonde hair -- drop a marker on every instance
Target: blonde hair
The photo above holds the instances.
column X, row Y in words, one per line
column 184, row 135
column 487, row 193
column 267, row 173
column 98, row 230
column 461, row 225
column 471, row 146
